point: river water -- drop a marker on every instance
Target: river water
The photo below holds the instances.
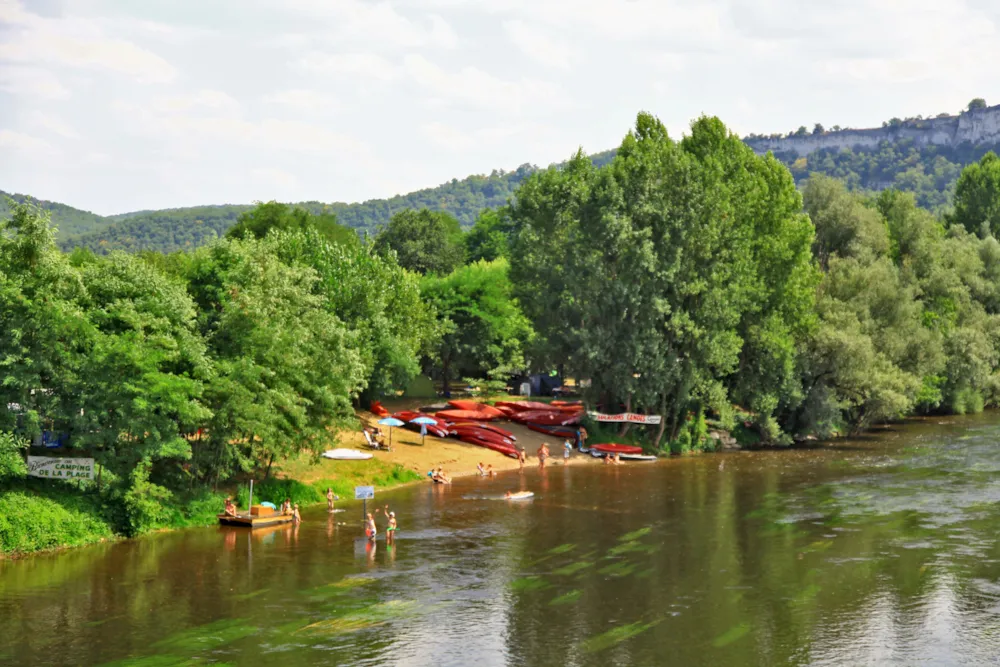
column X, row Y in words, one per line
column 880, row 551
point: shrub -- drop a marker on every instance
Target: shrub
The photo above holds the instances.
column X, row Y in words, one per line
column 30, row 522
column 12, row 465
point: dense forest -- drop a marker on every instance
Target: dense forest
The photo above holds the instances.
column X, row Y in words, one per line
column 690, row 278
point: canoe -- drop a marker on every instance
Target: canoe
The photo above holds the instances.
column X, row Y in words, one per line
column 637, row 457
column 520, row 495
column 346, row 454
column 487, row 427
column 522, row 406
column 615, row 448
column 555, row 431
column 546, row 418
column 488, row 443
column 465, row 415
column 481, row 434
column 377, row 409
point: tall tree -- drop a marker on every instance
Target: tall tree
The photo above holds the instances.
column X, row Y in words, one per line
column 424, row 241
column 489, row 238
column 482, row 326
column 264, row 217
column 977, row 196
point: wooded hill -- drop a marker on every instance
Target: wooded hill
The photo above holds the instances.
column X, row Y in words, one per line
column 930, row 172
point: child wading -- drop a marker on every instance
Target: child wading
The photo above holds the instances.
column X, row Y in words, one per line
column 330, row 497
column 370, row 530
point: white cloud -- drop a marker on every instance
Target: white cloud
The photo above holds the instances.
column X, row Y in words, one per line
column 53, row 124
column 25, row 144
column 32, row 82
column 374, row 24
column 76, row 43
column 474, row 87
column 364, row 65
column 541, row 46
column 309, row 101
column 277, row 177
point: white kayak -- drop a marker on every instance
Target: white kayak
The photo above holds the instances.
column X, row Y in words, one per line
column 347, row 454
column 636, row 457
column 521, row 495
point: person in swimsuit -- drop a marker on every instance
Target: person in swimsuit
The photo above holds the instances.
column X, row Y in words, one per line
column 490, row 472
column 296, row 517
column 230, row 507
column 507, row 495
column 607, row 459
column 482, row 471
column 543, row 453
column 330, row 497
column 567, row 448
column 370, row 530
column 520, row 457
column 286, row 507
column 390, row 530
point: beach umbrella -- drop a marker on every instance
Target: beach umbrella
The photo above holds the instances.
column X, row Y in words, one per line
column 390, row 422
column 424, row 422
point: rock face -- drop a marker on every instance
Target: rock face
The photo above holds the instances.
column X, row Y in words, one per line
column 981, row 126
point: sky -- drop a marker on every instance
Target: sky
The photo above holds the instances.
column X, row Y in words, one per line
column 122, row 105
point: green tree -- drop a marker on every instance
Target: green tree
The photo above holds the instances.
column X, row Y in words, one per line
column 424, row 241
column 264, row 217
column 482, row 326
column 649, row 276
column 976, row 104
column 818, row 128
column 977, row 196
column 489, row 238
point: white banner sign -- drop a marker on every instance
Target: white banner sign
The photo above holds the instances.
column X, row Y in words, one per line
column 364, row 492
column 629, row 417
column 60, row 468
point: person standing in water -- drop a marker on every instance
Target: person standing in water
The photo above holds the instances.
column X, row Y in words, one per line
column 370, row 530
column 330, row 497
column 296, row 517
column 390, row 530
column 520, row 457
column 567, row 448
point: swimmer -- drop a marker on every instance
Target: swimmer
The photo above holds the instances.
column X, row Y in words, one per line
column 370, row 530
column 482, row 471
column 490, row 472
column 543, row 453
column 296, row 517
column 520, row 457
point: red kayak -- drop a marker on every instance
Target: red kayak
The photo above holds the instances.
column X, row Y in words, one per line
column 567, row 403
column 475, row 406
column 377, row 409
column 482, row 434
column 486, row 427
column 489, row 443
column 465, row 415
column 615, row 448
column 554, row 431
column 523, row 406
column 547, row 418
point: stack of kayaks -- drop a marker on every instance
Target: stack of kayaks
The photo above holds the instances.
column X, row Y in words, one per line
column 439, row 428
column 479, row 434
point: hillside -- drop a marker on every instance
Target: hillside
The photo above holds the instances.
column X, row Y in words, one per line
column 71, row 222
column 923, row 156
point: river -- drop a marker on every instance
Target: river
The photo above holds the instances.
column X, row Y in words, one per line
column 877, row 551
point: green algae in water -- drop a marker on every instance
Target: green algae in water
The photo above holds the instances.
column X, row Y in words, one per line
column 807, row 595
column 566, row 598
column 615, row 636
column 635, row 534
column 731, row 635
column 371, row 616
column 572, row 568
column 532, row 583
column 163, row 661
column 631, row 547
column 561, row 549
column 205, row 637
column 618, row 569
column 353, row 582
column 250, row 596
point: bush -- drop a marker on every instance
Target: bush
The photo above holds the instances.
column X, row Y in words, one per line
column 34, row 521
column 12, row 465
column 144, row 503
column 276, row 490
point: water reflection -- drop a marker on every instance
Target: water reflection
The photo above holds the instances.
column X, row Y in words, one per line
column 882, row 551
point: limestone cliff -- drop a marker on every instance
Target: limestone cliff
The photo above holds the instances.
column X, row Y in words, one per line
column 976, row 127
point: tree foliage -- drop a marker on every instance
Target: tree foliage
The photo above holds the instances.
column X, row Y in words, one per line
column 977, row 196
column 423, row 241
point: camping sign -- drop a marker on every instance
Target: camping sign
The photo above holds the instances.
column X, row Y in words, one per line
column 51, row 467
column 628, row 417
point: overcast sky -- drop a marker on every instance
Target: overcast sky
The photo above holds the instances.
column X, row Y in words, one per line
column 119, row 105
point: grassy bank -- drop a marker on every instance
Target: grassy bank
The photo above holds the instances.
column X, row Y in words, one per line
column 38, row 515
